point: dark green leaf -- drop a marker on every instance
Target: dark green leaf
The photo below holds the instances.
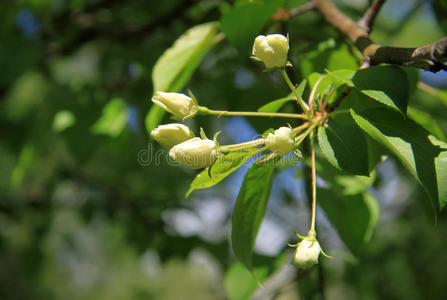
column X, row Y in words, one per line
column 385, row 84
column 353, row 216
column 276, row 105
column 409, row 142
column 345, row 147
column 426, row 121
column 344, row 183
column 330, row 55
column 223, row 167
column 245, row 20
column 249, row 209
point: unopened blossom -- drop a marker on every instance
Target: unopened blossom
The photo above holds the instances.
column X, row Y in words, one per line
column 271, row 50
column 281, row 141
column 177, row 104
column 306, row 253
column 195, row 153
column 170, row 135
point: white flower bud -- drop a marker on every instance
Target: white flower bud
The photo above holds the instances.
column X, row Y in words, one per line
column 171, row 134
column 195, row 153
column 177, row 104
column 280, row 142
column 272, row 50
column 306, row 253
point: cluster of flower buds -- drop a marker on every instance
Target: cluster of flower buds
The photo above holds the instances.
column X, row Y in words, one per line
column 201, row 152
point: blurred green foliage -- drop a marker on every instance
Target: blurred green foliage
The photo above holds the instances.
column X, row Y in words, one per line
column 87, row 211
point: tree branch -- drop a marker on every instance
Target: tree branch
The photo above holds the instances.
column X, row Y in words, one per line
column 429, row 57
column 285, row 14
column 367, row 21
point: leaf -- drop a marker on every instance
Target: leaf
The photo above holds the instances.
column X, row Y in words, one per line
column 329, row 55
column 385, row 84
column 276, row 105
column 245, row 20
column 176, row 65
column 223, row 167
column 24, row 161
column 62, row 120
column 240, row 284
column 409, row 142
column 426, row 121
column 353, row 216
column 388, row 85
column 249, row 209
column 441, row 171
column 344, row 183
column 345, row 147
column 113, row 119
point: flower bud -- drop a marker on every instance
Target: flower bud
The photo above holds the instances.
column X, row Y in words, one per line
column 280, row 142
column 272, row 50
column 177, row 104
column 195, row 153
column 306, row 253
column 171, row 134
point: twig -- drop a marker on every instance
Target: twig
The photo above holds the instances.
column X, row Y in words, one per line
column 284, row 14
column 429, row 57
column 367, row 21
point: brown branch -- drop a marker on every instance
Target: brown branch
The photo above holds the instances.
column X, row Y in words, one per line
column 429, row 57
column 367, row 21
column 285, row 14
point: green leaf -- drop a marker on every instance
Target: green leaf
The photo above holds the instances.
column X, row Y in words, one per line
column 344, row 183
column 441, row 171
column 345, row 147
column 62, row 120
column 250, row 209
column 223, row 167
column 245, row 20
column 174, row 68
column 426, row 121
column 388, row 85
column 23, row 163
column 276, row 105
column 353, row 216
column 113, row 119
column 409, row 142
column 329, row 55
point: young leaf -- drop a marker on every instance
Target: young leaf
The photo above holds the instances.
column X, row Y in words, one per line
column 223, row 167
column 276, row 105
column 409, row 142
column 174, row 68
column 249, row 209
column 353, row 216
column 345, row 147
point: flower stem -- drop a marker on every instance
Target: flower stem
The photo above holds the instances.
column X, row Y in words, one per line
column 300, row 101
column 250, row 113
column 241, row 146
column 314, row 181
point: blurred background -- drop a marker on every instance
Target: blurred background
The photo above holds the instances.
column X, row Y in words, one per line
column 90, row 208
